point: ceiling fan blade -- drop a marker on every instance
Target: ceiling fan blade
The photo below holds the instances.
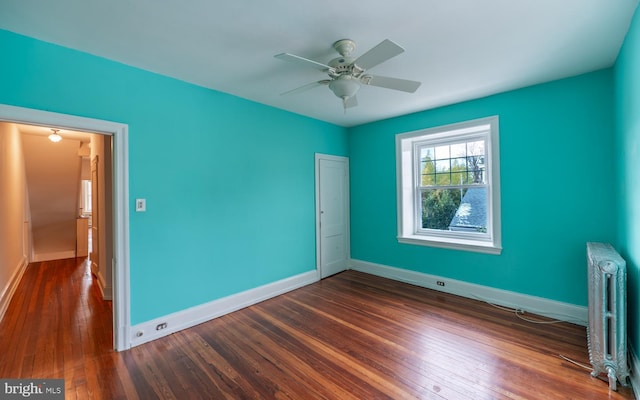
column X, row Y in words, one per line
column 305, row 87
column 379, row 54
column 404, row 85
column 303, row 61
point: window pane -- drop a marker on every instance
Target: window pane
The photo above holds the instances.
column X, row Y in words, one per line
column 469, row 178
column 427, row 153
column 428, row 179
column 459, row 163
column 475, row 148
column 442, row 152
column 443, row 179
column 476, row 167
column 462, row 210
column 459, row 150
column 458, row 178
column 439, row 206
column 443, row 165
column 427, row 166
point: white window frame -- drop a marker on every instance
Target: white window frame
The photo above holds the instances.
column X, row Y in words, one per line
column 85, row 197
column 410, row 229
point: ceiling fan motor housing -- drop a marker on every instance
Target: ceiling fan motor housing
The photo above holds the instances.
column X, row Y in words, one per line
column 342, row 65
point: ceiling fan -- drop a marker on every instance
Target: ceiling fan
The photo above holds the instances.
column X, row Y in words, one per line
column 347, row 74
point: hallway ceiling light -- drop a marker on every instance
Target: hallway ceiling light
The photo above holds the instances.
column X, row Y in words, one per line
column 54, row 137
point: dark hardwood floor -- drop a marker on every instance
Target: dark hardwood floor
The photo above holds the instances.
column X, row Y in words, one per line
column 350, row 336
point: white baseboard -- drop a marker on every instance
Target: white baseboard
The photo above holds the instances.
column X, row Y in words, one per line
column 147, row 331
column 105, row 290
column 58, row 255
column 10, row 289
column 530, row 304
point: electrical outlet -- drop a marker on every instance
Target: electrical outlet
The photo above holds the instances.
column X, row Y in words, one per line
column 161, row 326
column 141, row 205
column 440, row 283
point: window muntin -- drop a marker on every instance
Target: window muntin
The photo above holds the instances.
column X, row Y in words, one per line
column 448, row 186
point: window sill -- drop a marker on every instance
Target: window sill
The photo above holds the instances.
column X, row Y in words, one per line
column 451, row 243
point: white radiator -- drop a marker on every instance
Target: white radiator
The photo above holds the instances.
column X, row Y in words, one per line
column 607, row 329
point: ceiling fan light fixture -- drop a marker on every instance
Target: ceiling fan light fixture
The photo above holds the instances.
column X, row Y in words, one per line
column 344, row 86
column 54, row 137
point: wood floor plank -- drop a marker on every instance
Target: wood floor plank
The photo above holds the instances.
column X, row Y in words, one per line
column 350, row 336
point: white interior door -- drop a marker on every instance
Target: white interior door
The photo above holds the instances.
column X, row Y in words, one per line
column 332, row 214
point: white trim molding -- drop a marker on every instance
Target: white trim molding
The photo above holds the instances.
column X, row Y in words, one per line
column 105, row 290
column 168, row 324
column 10, row 289
column 58, row 255
column 527, row 303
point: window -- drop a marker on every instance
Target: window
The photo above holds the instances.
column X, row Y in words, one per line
column 449, row 186
column 85, row 198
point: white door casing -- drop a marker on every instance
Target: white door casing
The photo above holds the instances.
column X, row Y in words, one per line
column 332, row 214
column 120, row 262
column 95, row 218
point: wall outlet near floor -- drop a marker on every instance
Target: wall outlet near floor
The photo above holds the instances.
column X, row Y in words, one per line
column 161, row 326
column 141, row 205
column 440, row 283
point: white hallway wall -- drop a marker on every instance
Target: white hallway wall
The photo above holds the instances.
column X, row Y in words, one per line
column 53, row 181
column 14, row 213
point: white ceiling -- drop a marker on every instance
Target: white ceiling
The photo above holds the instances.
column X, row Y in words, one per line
column 458, row 49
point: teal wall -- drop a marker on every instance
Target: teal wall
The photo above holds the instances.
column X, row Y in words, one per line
column 557, row 188
column 627, row 84
column 229, row 183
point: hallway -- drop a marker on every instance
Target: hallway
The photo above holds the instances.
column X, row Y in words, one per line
column 51, row 295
